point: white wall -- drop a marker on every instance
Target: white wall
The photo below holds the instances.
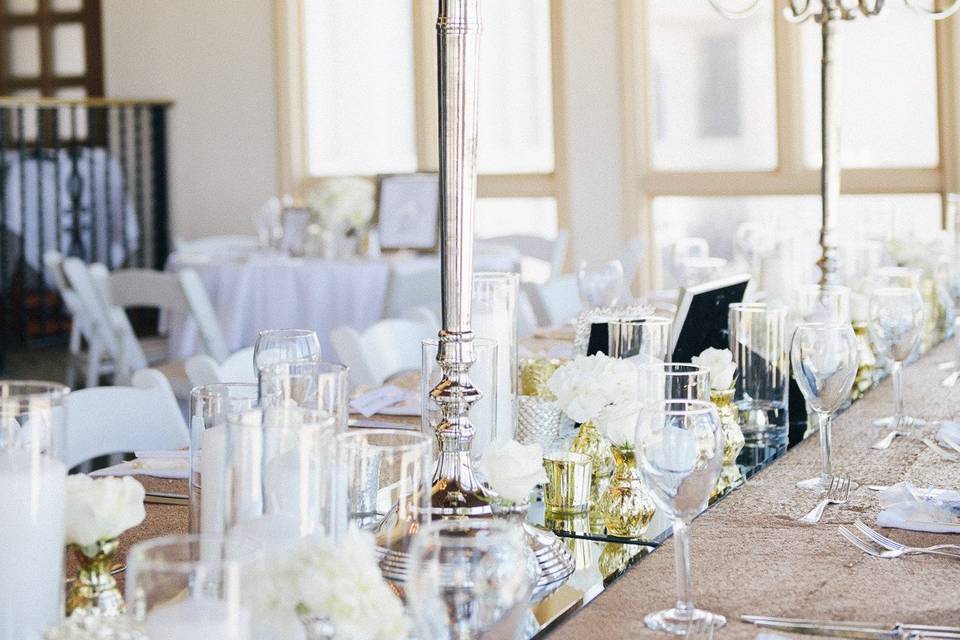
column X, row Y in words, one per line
column 215, row 59
column 594, row 132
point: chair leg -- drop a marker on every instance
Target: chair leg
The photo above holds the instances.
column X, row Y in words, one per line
column 70, row 379
column 93, row 366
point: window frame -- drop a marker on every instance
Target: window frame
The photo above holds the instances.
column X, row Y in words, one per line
column 294, row 175
column 643, row 183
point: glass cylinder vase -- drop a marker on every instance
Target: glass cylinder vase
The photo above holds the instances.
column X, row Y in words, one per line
column 494, row 317
column 32, row 490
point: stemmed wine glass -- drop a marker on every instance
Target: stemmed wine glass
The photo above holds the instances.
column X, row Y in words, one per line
column 600, row 283
column 679, row 454
column 469, row 580
column 896, row 321
column 825, row 361
column 285, row 345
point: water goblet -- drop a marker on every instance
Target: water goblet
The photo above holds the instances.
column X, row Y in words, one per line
column 896, row 322
column 600, row 283
column 825, row 360
column 470, row 580
column 285, row 345
column 823, row 303
column 679, row 454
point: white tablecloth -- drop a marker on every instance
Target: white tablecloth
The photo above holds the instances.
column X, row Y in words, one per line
column 255, row 291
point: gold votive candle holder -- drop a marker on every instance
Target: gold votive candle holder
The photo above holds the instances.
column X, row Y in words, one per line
column 569, row 481
column 534, row 375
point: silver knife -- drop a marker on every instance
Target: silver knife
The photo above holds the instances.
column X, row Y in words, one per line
column 840, row 629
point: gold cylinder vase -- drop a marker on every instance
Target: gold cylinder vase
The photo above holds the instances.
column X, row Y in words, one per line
column 626, row 505
column 730, row 475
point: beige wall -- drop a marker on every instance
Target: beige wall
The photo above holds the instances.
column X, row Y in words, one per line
column 214, row 58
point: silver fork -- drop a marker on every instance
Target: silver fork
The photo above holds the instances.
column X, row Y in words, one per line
column 837, row 494
column 887, row 440
column 870, row 549
column 884, row 541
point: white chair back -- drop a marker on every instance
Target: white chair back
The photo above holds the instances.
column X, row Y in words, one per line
column 422, row 315
column 105, row 420
column 238, row 367
column 551, row 251
column 554, row 302
column 383, row 350
column 413, row 285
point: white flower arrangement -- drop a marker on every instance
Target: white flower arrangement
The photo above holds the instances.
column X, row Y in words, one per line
column 338, row 581
column 720, row 364
column 618, row 422
column 98, row 510
column 344, row 204
column 587, row 384
column 513, row 469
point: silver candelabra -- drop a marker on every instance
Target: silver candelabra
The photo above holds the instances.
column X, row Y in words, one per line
column 830, row 14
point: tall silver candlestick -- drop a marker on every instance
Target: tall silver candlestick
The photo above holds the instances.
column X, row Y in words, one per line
column 456, row 489
column 829, row 14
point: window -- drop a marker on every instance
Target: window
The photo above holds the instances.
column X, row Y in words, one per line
column 725, row 127
column 363, row 101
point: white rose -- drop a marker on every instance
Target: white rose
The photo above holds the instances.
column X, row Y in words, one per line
column 720, row 364
column 619, row 423
column 587, row 384
column 101, row 509
column 513, row 469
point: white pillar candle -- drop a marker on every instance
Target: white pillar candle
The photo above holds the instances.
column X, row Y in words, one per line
column 31, row 544
column 494, row 317
column 199, row 618
column 214, row 444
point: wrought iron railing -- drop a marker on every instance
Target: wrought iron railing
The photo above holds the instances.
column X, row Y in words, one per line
column 87, row 178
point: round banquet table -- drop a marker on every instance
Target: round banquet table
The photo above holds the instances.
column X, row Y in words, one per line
column 255, row 290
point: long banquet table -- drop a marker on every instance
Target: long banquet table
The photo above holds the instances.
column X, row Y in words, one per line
column 749, row 553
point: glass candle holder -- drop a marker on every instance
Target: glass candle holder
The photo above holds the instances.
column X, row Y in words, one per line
column 674, row 381
column 569, row 482
column 494, row 317
column 816, row 303
column 279, row 476
column 539, row 421
column 285, row 345
column 188, row 587
column 483, row 373
column 758, row 343
column 32, row 478
column 210, row 405
column 319, row 386
column 387, row 475
column 646, row 339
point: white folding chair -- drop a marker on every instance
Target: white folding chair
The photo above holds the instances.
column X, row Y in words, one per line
column 413, row 285
column 554, row 302
column 106, row 420
column 382, row 351
column 238, row 367
column 423, row 315
column 551, row 251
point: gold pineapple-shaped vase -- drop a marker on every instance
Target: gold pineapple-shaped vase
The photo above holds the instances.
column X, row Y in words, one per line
column 730, row 475
column 625, row 504
column 868, row 361
column 94, row 592
column 590, row 442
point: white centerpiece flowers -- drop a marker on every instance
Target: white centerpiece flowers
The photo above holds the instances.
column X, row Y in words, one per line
column 587, row 385
column 512, row 469
column 343, row 205
column 720, row 364
column 99, row 510
column 332, row 586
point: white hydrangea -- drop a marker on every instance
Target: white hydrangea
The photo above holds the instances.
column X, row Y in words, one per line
column 513, row 469
column 101, row 509
column 587, row 384
column 337, row 580
column 618, row 422
column 342, row 204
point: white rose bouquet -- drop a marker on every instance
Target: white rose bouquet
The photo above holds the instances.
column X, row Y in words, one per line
column 720, row 364
column 337, row 584
column 587, row 385
column 619, row 423
column 99, row 510
column 344, row 204
column 513, row 469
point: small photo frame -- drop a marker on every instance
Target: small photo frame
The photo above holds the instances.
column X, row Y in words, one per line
column 409, row 211
column 701, row 320
column 294, row 222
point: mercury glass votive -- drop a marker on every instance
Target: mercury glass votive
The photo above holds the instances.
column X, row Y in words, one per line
column 538, row 421
column 569, row 482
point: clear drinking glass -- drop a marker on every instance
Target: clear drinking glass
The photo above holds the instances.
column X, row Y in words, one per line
column 494, row 317
column 896, row 323
column 483, row 374
column 285, row 345
column 32, row 477
column 600, row 283
column 825, row 360
column 758, row 343
column 470, row 580
column 674, row 381
column 188, row 587
column 210, row 405
column 896, row 277
column 829, row 303
column 387, row 475
column 680, row 453
column 279, row 481
column 646, row 339
column 321, row 386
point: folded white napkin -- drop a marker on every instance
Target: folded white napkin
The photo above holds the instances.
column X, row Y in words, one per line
column 174, row 465
column 933, row 510
column 387, row 400
column 949, row 434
